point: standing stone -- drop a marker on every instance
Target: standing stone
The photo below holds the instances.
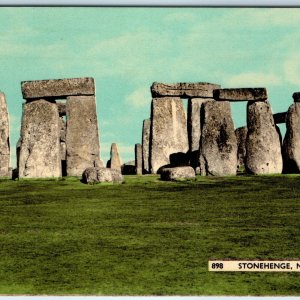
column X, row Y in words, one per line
column 82, row 139
column 4, row 138
column 194, row 128
column 262, row 143
column 138, row 159
column 241, row 135
column 40, row 141
column 169, row 139
column 146, row 144
column 218, row 152
column 115, row 161
column 291, row 143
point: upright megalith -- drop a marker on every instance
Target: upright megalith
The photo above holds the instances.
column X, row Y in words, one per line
column 138, row 159
column 218, row 150
column 169, row 138
column 115, row 160
column 40, row 141
column 194, row 128
column 263, row 143
column 4, row 138
column 241, row 136
column 146, row 144
column 82, row 139
column 291, row 143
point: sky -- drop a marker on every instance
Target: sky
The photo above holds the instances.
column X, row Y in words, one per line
column 127, row 49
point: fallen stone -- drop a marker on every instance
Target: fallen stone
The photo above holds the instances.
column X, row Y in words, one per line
column 98, row 175
column 82, row 139
column 291, row 143
column 40, row 145
column 146, row 145
column 115, row 160
column 169, row 139
column 194, row 128
column 218, row 151
column 279, row 118
column 4, row 138
column 262, row 144
column 58, row 87
column 138, row 159
column 183, row 90
column 241, row 94
column 241, row 135
column 128, row 168
column 177, row 173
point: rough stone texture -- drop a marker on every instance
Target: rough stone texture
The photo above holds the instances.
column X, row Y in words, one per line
column 280, row 118
column 242, row 94
column 58, row 87
column 40, row 145
column 183, row 90
column 63, row 129
column 115, row 161
column 18, row 150
column 98, row 175
column 177, row 173
column 138, row 159
column 296, row 97
column 129, row 168
column 62, row 108
column 241, row 135
column 146, row 145
column 194, row 128
column 82, row 139
column 291, row 143
column 4, row 137
column 262, row 144
column 63, row 151
column 218, row 151
column 169, row 139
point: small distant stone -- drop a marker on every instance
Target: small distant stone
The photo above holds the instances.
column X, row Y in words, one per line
column 177, row 173
column 296, row 97
column 98, row 175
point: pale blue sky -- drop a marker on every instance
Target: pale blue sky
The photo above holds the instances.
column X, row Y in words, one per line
column 126, row 49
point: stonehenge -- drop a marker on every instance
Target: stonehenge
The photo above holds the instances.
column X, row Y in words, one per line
column 59, row 131
column 60, row 136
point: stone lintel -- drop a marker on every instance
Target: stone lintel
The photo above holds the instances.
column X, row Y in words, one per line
column 183, row 89
column 58, row 88
column 279, row 118
column 241, row 94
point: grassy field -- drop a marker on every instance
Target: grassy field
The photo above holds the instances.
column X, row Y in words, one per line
column 147, row 237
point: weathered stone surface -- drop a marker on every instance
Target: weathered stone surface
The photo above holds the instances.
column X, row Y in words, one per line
column 18, row 150
column 97, row 175
column 115, row 160
column 296, row 97
column 177, row 173
column 218, row 151
column 291, row 143
column 169, row 139
column 262, row 144
column 62, row 108
column 129, row 168
column 63, row 129
column 241, row 94
column 138, row 159
column 40, row 146
column 82, row 139
column 241, row 135
column 63, row 151
column 58, row 87
column 146, row 145
column 4, row 137
column 183, row 90
column 280, row 118
column 194, row 128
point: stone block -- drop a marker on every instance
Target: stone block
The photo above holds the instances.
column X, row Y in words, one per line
column 241, row 94
column 146, row 145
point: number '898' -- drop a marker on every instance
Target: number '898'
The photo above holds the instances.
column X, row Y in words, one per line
column 217, row 266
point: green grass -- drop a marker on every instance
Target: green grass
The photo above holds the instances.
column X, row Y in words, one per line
column 147, row 237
